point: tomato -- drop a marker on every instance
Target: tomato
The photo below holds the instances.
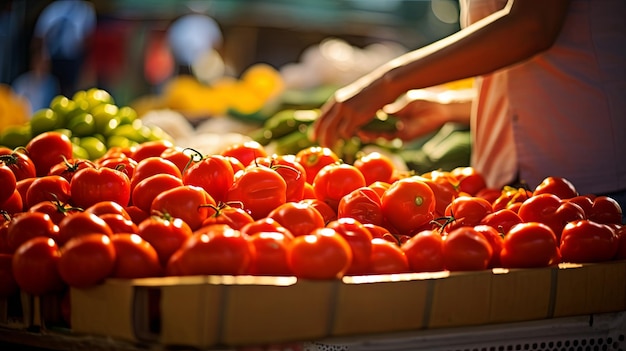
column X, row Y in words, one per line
column 387, row 258
column 502, row 220
column 292, row 172
column 586, row 241
column 529, row 245
column 82, row 223
column 13, row 204
column 323, row 254
column 67, row 168
column 444, row 194
column 620, row 232
column 35, row 266
column 259, row 188
column 123, row 164
column 213, row 173
column 232, row 216
column 153, row 165
column 465, row 249
column 48, row 149
column 362, row 204
column 408, row 204
column 245, row 152
column 298, row 217
column 327, row 212
column 178, row 156
column 470, row 180
column 336, row 180
column 56, row 210
column 87, row 260
column 150, row 149
column 558, row 186
column 550, row 210
column 265, row 224
column 47, row 188
column 92, row 185
column 271, row 254
column 466, row 211
column 214, row 250
column 108, row 207
column 424, row 251
column 605, row 210
column 379, row 187
column 489, row 194
column 30, row 225
column 135, row 257
column 19, row 162
column 314, row 158
column 377, row 231
column 4, row 244
column 309, row 192
column 236, row 164
column 509, row 197
column 118, row 223
column 495, row 239
column 147, row 189
column 375, row 167
column 136, row 214
column 187, row 202
column 165, row 234
column 360, row 240
column 8, row 285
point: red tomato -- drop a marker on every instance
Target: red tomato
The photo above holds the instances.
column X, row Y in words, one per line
column 136, row 214
column 466, row 211
column 8, row 285
column 108, row 207
column 379, row 187
column 178, row 156
column 362, row 204
column 8, row 181
column 424, row 251
column 47, row 188
column 529, row 245
column 387, row 258
column 292, row 172
column 150, row 149
column 620, row 232
column 13, row 204
column 22, row 187
column 30, row 225
column 118, row 223
column 245, row 152
column 470, row 180
column 47, row 149
column 259, row 189
column 377, row 231
column 375, row 167
column 271, row 254
column 298, row 217
column 35, row 266
column 214, row 250
column 165, row 234
column 323, row 254
column 558, row 186
column 234, row 217
column 550, row 210
column 327, row 212
column 187, row 202
column 265, row 224
column 147, row 189
column 123, row 164
column 605, row 210
column 360, row 240
column 56, row 210
column 586, row 241
column 92, row 185
column 4, row 245
column 67, row 168
column 444, row 194
column 81, row 223
column 87, row 260
column 236, row 164
column 19, row 162
column 135, row 258
column 408, row 204
column 502, row 220
column 465, row 249
column 314, row 158
column 490, row 194
column 509, row 197
column 495, row 239
column 213, row 173
column 309, row 191
column 151, row 166
column 336, row 180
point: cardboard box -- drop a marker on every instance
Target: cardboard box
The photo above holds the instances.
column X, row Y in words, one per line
column 231, row 311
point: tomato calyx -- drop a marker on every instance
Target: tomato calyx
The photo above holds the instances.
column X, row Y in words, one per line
column 194, row 156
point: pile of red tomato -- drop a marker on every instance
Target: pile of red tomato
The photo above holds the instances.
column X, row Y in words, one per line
column 158, row 210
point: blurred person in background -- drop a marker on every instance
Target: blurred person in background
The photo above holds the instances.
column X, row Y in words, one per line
column 549, row 102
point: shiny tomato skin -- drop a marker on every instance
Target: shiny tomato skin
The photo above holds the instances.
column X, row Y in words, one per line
column 314, row 158
column 362, row 204
column 379, row 187
column 30, row 225
column 92, row 185
column 13, row 204
column 150, row 149
column 234, row 217
column 292, row 172
column 165, row 234
column 214, row 250
column 47, row 188
column 529, row 245
column 502, row 220
column 298, row 217
column 8, row 285
column 245, row 152
column 605, row 210
column 87, row 260
column 327, row 212
column 147, row 189
column 465, row 249
column 377, row 231
column 259, row 189
column 323, row 254
column 187, row 202
column 35, row 266
column 48, row 149
column 214, row 173
column 424, row 251
column 265, row 224
column 375, row 167
column 336, row 180
column 150, row 166
column 123, row 164
column 178, row 156
column 550, row 210
column 489, row 194
column 19, row 162
column 586, row 241
column 444, row 194
column 67, row 168
column 270, row 257
column 387, row 258
column 558, row 186
column 8, row 181
column 118, row 223
column 108, row 207
column 467, row 211
column 471, row 181
column 136, row 214
column 509, row 197
column 495, row 239
column 56, row 210
column 360, row 240
column 408, row 204
column 135, row 258
column 81, row 223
